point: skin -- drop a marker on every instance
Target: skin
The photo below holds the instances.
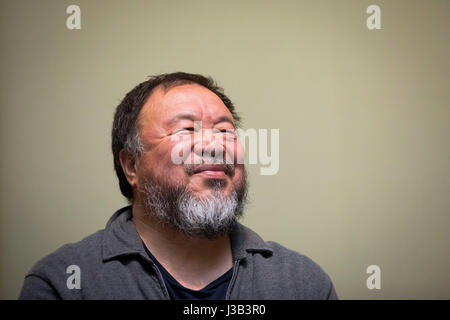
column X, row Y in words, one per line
column 166, row 117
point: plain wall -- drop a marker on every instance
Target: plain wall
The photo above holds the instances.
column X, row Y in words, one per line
column 364, row 120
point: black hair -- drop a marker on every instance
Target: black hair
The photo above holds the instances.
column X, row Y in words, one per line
column 126, row 131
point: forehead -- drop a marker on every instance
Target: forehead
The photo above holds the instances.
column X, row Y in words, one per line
column 164, row 105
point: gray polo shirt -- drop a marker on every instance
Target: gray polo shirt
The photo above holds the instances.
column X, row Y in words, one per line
column 112, row 264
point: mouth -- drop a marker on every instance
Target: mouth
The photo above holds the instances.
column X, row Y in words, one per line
column 212, row 170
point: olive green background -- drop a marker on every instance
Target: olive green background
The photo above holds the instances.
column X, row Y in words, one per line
column 364, row 119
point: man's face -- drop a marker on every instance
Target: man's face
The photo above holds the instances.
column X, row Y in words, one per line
column 192, row 124
column 171, row 120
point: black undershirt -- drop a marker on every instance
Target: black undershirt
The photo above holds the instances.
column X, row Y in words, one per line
column 216, row 290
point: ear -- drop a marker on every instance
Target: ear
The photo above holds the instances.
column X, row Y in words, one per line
column 128, row 163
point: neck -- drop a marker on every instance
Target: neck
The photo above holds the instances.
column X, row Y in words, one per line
column 193, row 261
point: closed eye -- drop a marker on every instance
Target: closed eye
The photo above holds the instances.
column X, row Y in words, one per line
column 224, row 131
column 188, row 129
column 229, row 132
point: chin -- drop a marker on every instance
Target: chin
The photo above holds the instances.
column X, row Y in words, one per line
column 210, row 192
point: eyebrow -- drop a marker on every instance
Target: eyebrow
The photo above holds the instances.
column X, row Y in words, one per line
column 226, row 119
column 182, row 116
column 191, row 116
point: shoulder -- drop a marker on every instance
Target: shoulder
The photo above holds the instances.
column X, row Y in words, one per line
column 302, row 277
column 293, row 259
column 47, row 278
column 57, row 262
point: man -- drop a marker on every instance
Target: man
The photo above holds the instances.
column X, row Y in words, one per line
column 180, row 238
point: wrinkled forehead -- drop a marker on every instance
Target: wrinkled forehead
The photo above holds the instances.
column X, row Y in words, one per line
column 165, row 104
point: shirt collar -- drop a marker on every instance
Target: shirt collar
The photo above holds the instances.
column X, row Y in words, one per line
column 121, row 238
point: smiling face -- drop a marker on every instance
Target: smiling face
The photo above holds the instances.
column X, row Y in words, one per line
column 194, row 120
column 205, row 192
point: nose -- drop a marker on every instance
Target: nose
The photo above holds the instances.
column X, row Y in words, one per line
column 208, row 146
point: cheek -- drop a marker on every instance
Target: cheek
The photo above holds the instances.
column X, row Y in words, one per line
column 179, row 150
column 235, row 153
column 159, row 163
column 238, row 172
column 239, row 179
column 240, row 152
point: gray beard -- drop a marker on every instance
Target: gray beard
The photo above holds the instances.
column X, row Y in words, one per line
column 208, row 217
